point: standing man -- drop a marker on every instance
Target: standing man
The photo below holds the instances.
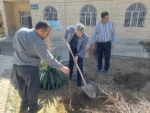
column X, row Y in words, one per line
column 30, row 49
column 77, row 40
column 105, row 37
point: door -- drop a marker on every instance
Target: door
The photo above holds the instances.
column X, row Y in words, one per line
column 26, row 20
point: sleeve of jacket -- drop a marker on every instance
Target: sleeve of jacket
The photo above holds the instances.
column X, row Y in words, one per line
column 113, row 35
column 82, row 51
column 42, row 51
column 95, row 33
column 67, row 32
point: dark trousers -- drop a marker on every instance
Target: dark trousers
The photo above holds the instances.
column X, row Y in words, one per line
column 71, row 64
column 28, row 84
column 104, row 49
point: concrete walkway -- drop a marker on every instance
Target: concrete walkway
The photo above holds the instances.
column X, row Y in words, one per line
column 121, row 50
column 5, row 76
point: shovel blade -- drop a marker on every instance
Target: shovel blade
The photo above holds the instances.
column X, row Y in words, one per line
column 89, row 90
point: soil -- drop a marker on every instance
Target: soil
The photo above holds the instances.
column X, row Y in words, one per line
column 127, row 77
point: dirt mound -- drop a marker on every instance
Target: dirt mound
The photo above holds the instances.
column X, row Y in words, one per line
column 82, row 101
column 133, row 81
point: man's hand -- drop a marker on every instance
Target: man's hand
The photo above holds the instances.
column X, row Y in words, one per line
column 65, row 40
column 112, row 46
column 76, row 59
column 93, row 46
column 65, row 70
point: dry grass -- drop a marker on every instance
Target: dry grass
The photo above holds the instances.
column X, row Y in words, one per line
column 115, row 103
column 92, row 52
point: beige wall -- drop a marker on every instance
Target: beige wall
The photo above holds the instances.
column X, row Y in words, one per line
column 116, row 8
column 4, row 18
column 1, row 25
column 11, row 14
column 17, row 7
column 130, row 32
column 38, row 14
column 8, row 6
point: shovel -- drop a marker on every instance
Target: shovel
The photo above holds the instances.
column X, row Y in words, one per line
column 87, row 88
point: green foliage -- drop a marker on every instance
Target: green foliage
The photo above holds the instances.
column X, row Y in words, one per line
column 146, row 46
column 51, row 78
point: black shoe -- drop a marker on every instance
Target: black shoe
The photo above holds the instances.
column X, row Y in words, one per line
column 106, row 72
column 98, row 70
column 79, row 84
column 35, row 110
column 24, row 109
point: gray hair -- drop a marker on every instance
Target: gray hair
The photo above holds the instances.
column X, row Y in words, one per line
column 80, row 27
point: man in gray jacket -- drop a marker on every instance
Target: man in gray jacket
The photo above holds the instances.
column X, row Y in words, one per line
column 77, row 40
column 29, row 49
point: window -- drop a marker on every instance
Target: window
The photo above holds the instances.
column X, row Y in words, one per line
column 50, row 14
column 88, row 15
column 135, row 15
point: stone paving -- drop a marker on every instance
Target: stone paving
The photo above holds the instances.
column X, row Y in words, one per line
column 5, row 76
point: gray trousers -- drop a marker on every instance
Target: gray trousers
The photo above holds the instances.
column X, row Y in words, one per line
column 28, row 84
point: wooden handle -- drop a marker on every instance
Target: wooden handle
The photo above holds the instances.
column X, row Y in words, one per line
column 48, row 43
column 76, row 63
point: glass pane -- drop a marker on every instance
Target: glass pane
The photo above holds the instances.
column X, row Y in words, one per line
column 47, row 9
column 142, row 14
column 94, row 15
column 85, row 9
column 54, row 16
column 127, row 22
column 141, row 19
column 134, row 19
column 82, row 18
column 93, row 23
column 88, row 19
column 132, row 8
column 140, row 22
column 140, row 7
column 53, row 9
column 88, row 15
column 21, row 13
column 128, row 14
column 45, row 14
column 127, row 19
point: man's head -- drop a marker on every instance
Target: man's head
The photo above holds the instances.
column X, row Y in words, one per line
column 79, row 30
column 105, row 17
column 43, row 29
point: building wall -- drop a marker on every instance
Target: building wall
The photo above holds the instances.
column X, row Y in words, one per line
column 69, row 12
column 17, row 7
column 38, row 14
column 2, row 32
column 118, row 16
column 4, row 18
column 12, row 10
column 8, row 6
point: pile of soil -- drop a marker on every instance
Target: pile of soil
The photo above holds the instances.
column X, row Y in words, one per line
column 123, row 78
column 134, row 81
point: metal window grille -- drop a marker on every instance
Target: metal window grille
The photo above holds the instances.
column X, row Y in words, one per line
column 50, row 14
column 135, row 16
column 88, row 15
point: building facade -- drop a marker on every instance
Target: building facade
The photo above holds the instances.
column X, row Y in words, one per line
column 131, row 17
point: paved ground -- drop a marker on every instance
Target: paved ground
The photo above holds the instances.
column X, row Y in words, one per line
column 121, row 50
column 6, row 61
column 5, row 75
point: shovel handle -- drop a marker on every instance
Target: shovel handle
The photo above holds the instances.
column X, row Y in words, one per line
column 76, row 63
